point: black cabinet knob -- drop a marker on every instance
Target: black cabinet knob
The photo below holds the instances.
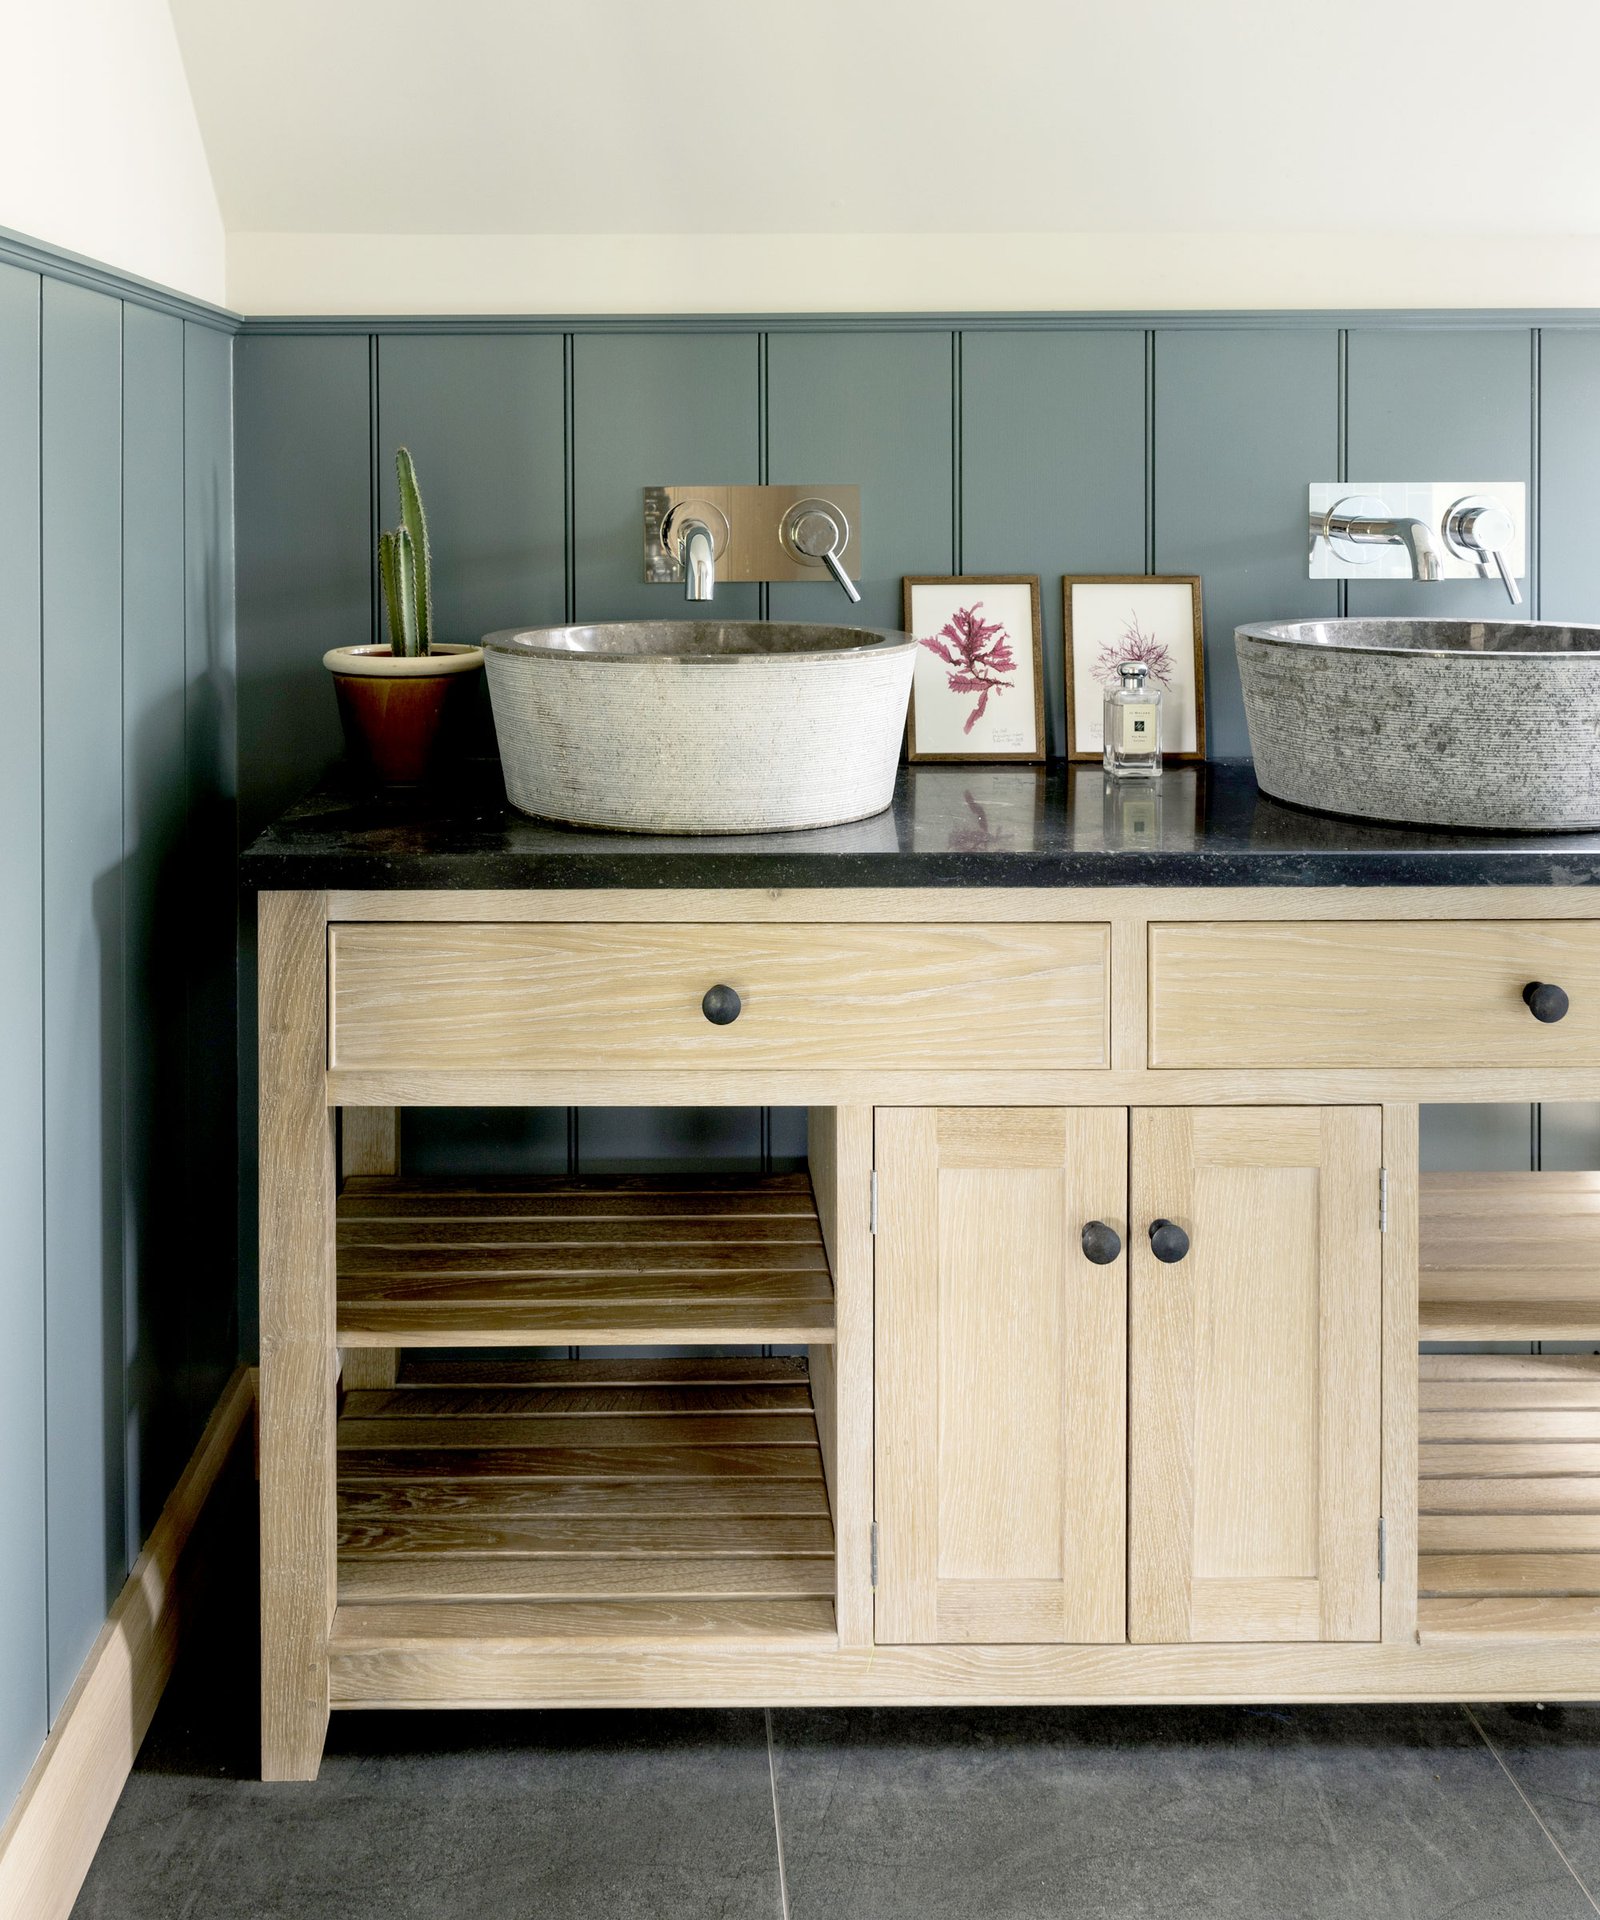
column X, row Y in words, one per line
column 1168, row 1241
column 1101, row 1243
column 1545, row 1002
column 721, row 1006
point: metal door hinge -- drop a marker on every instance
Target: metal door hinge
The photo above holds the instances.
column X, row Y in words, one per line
column 1383, row 1199
column 872, row 1203
column 874, row 1556
column 1383, row 1549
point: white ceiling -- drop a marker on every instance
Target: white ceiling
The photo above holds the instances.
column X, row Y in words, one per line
column 898, row 116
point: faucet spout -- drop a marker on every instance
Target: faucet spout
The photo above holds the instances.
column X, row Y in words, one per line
column 1422, row 543
column 698, row 553
column 1419, row 539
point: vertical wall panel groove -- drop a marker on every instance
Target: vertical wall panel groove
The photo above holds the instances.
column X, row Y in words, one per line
column 24, row 1695
column 1150, row 451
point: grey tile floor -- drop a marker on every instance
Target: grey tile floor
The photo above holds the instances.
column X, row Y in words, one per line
column 1384, row 1813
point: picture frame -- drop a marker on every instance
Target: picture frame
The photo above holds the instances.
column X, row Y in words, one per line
column 980, row 641
column 1109, row 617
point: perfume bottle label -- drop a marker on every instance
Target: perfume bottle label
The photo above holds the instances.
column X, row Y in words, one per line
column 1139, row 733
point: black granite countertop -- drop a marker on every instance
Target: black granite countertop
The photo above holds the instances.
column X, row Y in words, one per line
column 949, row 826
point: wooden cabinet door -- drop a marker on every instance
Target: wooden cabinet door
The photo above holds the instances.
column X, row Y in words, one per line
column 1001, row 1382
column 1254, row 1375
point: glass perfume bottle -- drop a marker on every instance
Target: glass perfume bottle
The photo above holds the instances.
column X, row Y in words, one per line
column 1133, row 725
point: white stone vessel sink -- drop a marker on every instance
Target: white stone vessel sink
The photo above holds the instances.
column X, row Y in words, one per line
column 688, row 726
column 1445, row 723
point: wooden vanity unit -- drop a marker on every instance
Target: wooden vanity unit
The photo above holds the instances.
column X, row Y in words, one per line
column 1004, row 1461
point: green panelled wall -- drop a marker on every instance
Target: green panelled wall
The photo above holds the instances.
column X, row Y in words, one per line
column 118, row 1298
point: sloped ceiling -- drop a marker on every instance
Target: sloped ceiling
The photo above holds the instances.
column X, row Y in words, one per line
column 897, row 117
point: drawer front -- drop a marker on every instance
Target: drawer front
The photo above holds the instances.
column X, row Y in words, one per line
column 569, row 997
column 1408, row 993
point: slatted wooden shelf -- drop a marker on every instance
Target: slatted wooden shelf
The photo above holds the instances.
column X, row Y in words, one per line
column 1509, row 1509
column 1510, row 1256
column 624, row 1501
column 626, row 1262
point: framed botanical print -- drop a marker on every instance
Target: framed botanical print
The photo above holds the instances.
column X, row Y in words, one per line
column 1111, row 618
column 977, row 690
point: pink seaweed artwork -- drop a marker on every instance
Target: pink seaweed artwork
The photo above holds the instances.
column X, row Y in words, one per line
column 1135, row 645
column 978, row 653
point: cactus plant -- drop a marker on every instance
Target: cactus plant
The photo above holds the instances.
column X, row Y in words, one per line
column 405, row 568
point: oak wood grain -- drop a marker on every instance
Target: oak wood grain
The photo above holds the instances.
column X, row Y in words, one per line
column 298, row 1355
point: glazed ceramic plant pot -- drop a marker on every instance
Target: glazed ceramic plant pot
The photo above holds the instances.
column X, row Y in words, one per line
column 397, row 708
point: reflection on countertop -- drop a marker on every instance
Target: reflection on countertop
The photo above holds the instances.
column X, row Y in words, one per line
column 949, row 825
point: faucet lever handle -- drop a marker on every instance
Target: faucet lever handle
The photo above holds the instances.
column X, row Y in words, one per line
column 816, row 531
column 1481, row 530
column 852, row 592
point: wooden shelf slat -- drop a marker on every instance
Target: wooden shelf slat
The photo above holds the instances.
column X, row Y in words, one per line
column 738, row 1261
column 1529, row 1320
column 516, row 1499
column 1483, row 1532
column 1543, row 1424
column 610, row 1536
column 476, row 1323
column 462, row 1577
column 1507, row 1618
column 792, row 1230
column 634, row 1622
column 1565, row 1575
column 1509, row 1256
column 413, row 1403
column 456, row 1369
column 578, row 1463
column 540, row 1430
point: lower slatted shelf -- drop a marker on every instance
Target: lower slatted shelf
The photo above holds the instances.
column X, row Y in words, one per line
column 1509, row 1509
column 626, row 1501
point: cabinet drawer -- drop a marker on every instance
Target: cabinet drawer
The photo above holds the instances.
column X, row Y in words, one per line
column 1408, row 993
column 569, row 997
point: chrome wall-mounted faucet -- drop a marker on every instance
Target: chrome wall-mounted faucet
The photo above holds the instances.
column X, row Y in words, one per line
column 1429, row 530
column 703, row 535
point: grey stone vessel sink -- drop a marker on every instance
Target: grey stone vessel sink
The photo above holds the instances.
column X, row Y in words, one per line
column 1445, row 723
column 699, row 726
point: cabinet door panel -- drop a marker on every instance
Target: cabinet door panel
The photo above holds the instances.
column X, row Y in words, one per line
column 1001, row 1375
column 1254, row 1376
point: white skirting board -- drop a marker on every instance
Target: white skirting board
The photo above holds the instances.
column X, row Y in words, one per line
column 49, row 1840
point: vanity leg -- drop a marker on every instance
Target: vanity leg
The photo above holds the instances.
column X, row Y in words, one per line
column 840, row 1151
column 1400, row 1416
column 298, row 1355
column 369, row 1142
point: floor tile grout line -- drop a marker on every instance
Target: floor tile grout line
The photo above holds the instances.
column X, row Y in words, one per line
column 1516, row 1784
column 777, row 1818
